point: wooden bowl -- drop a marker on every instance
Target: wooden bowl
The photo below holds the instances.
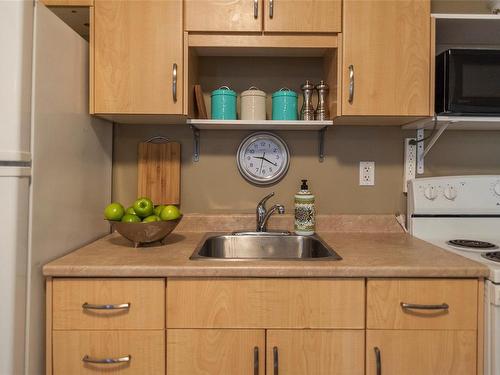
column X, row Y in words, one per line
column 143, row 233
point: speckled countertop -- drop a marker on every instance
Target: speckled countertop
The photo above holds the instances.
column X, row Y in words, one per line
column 370, row 246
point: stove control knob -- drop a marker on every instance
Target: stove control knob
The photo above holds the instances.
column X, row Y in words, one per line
column 430, row 193
column 496, row 188
column 450, row 193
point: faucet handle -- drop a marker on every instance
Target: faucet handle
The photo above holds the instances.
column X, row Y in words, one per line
column 265, row 199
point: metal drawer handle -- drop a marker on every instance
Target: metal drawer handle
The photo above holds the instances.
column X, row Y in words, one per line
column 271, row 8
column 256, row 361
column 413, row 306
column 276, row 363
column 106, row 361
column 255, row 9
column 174, row 82
column 351, row 83
column 378, row 360
column 90, row 306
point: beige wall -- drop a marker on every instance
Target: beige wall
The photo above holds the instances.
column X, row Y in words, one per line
column 214, row 185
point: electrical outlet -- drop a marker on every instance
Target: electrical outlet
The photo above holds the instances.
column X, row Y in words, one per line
column 410, row 167
column 366, row 173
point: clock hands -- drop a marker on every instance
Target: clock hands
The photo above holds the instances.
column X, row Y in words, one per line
column 262, row 162
column 263, row 157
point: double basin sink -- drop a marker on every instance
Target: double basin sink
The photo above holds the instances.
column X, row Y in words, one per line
column 263, row 246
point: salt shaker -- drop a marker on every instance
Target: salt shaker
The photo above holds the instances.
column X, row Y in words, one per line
column 322, row 112
column 307, row 110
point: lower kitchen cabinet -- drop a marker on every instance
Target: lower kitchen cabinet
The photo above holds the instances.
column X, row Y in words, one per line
column 426, row 352
column 318, row 352
column 215, row 351
column 93, row 352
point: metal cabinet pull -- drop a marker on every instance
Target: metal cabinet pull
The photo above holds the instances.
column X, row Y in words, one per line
column 378, row 360
column 276, row 363
column 351, row 83
column 271, row 8
column 255, row 9
column 174, row 83
column 122, row 306
column 106, row 361
column 413, row 306
column 256, row 361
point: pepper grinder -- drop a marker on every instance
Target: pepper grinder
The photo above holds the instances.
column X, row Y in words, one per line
column 307, row 110
column 322, row 112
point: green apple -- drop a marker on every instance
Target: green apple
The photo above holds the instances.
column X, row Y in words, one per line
column 128, row 218
column 130, row 211
column 150, row 219
column 158, row 209
column 114, row 211
column 170, row 212
column 143, row 207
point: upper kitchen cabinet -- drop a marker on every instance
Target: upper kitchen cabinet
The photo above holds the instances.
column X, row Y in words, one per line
column 290, row 16
column 386, row 58
column 304, row 16
column 223, row 15
column 136, row 57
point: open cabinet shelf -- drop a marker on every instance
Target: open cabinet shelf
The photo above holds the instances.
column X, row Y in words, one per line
column 258, row 125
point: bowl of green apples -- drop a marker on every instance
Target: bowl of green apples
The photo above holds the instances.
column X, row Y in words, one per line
column 143, row 222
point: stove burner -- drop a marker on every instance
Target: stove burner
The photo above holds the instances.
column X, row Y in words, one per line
column 472, row 244
column 494, row 256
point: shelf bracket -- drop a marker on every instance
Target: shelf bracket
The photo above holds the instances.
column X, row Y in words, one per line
column 196, row 144
column 423, row 150
column 321, row 145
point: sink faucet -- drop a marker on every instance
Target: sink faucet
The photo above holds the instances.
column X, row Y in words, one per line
column 263, row 215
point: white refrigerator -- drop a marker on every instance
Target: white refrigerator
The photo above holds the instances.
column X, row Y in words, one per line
column 55, row 170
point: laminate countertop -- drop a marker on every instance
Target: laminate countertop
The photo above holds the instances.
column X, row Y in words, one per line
column 389, row 253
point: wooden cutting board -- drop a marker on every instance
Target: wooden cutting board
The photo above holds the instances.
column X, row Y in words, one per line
column 159, row 172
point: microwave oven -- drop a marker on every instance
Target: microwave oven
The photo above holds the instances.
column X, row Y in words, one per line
column 468, row 82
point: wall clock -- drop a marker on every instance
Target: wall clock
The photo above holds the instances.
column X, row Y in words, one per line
column 263, row 158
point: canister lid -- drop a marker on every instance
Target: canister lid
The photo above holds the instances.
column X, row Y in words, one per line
column 285, row 92
column 253, row 91
column 224, row 90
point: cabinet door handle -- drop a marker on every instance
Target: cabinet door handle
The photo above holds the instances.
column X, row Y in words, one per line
column 378, row 360
column 276, row 363
column 351, row 83
column 174, row 82
column 414, row 306
column 90, row 306
column 255, row 9
column 271, row 8
column 256, row 360
column 106, row 361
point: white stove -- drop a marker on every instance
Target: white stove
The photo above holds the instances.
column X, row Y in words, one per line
column 461, row 214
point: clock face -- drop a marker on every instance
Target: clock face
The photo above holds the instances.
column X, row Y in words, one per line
column 263, row 158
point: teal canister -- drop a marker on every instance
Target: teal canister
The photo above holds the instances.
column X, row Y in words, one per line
column 223, row 104
column 285, row 105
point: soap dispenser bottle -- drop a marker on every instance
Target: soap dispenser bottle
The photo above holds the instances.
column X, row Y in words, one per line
column 304, row 211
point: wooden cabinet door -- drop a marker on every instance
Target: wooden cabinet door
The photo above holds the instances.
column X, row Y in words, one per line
column 315, row 352
column 223, row 15
column 303, row 16
column 214, row 351
column 138, row 51
column 421, row 352
column 386, row 61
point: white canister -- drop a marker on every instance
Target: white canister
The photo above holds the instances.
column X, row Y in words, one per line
column 253, row 104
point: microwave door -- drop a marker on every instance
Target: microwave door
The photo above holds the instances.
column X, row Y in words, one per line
column 474, row 82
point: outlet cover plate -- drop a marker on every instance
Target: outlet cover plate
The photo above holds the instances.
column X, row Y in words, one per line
column 366, row 173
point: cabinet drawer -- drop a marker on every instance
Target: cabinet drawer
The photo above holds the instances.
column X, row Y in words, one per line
column 142, row 352
column 265, row 303
column 76, row 304
column 385, row 299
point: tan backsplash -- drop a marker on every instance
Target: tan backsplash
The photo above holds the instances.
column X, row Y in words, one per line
column 213, row 185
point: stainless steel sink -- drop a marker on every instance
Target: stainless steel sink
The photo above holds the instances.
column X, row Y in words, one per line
column 258, row 245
